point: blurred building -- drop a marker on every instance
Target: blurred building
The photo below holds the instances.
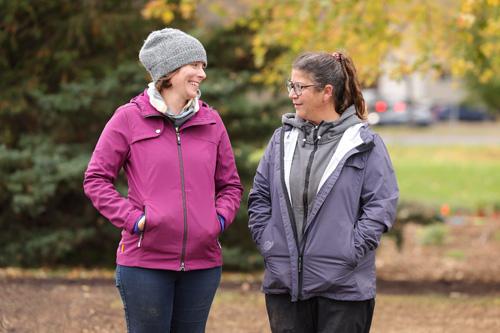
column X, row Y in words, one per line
column 422, row 88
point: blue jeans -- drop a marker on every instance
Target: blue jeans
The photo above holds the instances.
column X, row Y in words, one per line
column 166, row 301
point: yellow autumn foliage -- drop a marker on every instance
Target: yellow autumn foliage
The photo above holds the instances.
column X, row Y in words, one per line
column 460, row 37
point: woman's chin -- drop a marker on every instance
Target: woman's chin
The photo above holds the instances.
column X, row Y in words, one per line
column 191, row 92
column 300, row 113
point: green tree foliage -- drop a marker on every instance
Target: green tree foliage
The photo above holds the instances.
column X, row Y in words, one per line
column 250, row 112
column 479, row 24
column 460, row 37
column 64, row 68
column 484, row 93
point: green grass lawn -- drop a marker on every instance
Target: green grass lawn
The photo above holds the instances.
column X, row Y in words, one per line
column 460, row 176
column 466, row 177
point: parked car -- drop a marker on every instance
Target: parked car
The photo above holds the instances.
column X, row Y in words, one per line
column 461, row 113
column 421, row 115
column 381, row 112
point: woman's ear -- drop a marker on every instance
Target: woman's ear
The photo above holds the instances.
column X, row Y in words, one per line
column 327, row 93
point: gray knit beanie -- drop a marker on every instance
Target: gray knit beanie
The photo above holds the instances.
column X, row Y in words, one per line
column 168, row 49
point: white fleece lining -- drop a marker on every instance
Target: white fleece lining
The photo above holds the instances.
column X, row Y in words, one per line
column 350, row 139
column 290, row 144
column 158, row 103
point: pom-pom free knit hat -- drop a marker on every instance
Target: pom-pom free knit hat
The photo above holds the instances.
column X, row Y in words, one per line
column 168, row 49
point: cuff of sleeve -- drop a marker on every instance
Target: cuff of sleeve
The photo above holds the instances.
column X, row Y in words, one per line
column 132, row 219
column 222, row 222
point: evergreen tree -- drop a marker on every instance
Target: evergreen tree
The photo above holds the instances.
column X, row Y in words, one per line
column 64, row 68
column 251, row 111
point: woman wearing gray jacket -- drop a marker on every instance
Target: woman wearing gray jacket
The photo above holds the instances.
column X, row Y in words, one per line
column 324, row 193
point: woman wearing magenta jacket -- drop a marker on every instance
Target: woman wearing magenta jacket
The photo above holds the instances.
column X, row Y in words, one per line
column 183, row 190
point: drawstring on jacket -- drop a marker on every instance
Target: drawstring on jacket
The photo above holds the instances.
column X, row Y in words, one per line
column 322, row 129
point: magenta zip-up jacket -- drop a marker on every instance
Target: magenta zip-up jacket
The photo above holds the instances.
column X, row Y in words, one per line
column 180, row 178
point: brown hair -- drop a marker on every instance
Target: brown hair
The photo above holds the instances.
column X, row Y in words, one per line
column 164, row 82
column 336, row 69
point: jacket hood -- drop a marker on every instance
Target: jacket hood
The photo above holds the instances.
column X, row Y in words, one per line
column 327, row 130
column 142, row 101
column 145, row 107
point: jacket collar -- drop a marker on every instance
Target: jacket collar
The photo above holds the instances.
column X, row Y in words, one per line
column 203, row 116
column 156, row 100
column 356, row 138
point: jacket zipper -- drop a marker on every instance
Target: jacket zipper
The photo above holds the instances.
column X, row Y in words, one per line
column 184, row 209
column 305, row 202
column 288, row 203
column 300, row 249
column 181, row 163
column 305, row 199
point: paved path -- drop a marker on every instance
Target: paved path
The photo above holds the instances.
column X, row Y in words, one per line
column 469, row 134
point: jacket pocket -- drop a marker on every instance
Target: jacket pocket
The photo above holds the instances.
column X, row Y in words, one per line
column 150, row 221
column 354, row 260
column 265, row 243
column 277, row 274
column 210, row 237
column 327, row 274
column 141, row 232
column 219, row 231
column 154, row 130
column 151, row 238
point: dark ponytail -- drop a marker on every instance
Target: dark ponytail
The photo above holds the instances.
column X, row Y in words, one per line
column 352, row 88
column 336, row 69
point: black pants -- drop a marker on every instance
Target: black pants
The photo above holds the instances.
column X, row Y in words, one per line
column 318, row 315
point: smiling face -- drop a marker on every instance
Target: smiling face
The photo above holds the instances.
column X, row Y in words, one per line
column 186, row 82
column 310, row 103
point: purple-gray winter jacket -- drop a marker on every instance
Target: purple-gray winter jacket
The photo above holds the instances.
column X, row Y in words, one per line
column 355, row 203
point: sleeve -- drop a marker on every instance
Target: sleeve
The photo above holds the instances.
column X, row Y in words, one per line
column 259, row 198
column 228, row 188
column 107, row 159
column 379, row 198
column 222, row 223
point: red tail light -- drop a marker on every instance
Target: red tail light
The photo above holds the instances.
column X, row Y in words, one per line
column 400, row 107
column 380, row 106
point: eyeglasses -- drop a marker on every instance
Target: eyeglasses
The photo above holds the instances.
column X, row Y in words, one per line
column 297, row 87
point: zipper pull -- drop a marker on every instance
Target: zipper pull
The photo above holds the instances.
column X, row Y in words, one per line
column 300, row 264
column 140, row 239
column 182, row 266
column 178, row 135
